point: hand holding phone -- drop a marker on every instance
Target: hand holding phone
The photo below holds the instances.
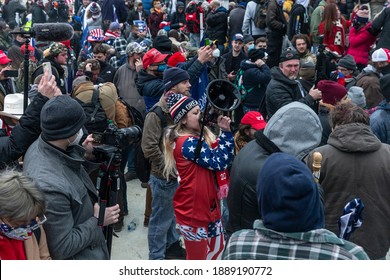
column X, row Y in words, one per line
column 47, row 68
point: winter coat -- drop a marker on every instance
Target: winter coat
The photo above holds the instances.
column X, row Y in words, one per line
column 58, row 72
column 217, row 25
column 299, row 22
column 282, row 91
column 23, row 134
column 255, row 80
column 335, row 41
column 154, row 20
column 295, row 132
column 382, row 23
column 150, row 87
column 177, row 18
column 248, row 26
column 369, row 81
column 315, row 19
column 354, row 165
column 133, row 15
column 107, row 72
column 276, row 22
column 360, row 43
column 217, row 70
column 71, row 228
column 13, row 7
column 58, row 15
column 380, row 122
column 229, row 61
column 236, row 19
column 38, row 14
column 124, row 81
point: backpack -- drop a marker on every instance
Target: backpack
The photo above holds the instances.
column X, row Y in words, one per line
column 135, row 115
column 96, row 117
column 239, row 82
column 142, row 164
column 192, row 13
column 259, row 19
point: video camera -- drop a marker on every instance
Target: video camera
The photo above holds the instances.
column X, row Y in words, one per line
column 119, row 138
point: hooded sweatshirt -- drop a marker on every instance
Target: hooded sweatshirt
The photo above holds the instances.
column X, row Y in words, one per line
column 296, row 130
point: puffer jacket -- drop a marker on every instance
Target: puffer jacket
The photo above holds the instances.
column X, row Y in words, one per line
column 382, row 23
column 360, row 42
column 293, row 119
column 150, row 87
column 282, row 91
column 354, row 165
column 255, row 80
column 380, row 122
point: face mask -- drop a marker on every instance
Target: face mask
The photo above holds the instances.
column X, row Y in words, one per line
column 78, row 138
column 216, row 53
column 251, row 46
column 21, row 233
column 161, row 68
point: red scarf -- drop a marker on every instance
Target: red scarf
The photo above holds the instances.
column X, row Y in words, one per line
column 11, row 249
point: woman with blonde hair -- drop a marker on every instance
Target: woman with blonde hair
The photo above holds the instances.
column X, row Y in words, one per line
column 202, row 169
column 22, row 208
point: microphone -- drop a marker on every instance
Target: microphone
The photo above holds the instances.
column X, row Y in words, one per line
column 56, row 32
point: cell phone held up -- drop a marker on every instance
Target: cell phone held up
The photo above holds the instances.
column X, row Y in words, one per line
column 11, row 73
column 47, row 68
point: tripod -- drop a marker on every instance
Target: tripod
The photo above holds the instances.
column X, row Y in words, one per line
column 108, row 184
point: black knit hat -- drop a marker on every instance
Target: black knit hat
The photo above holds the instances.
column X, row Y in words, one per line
column 173, row 76
column 248, row 38
column 61, row 118
column 163, row 44
column 255, row 54
column 347, row 62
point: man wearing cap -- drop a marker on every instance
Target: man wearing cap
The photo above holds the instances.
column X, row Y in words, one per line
column 72, row 209
column 149, row 80
column 163, row 238
column 284, row 87
column 346, row 71
column 292, row 224
column 7, row 85
column 28, row 128
column 58, row 58
column 234, row 57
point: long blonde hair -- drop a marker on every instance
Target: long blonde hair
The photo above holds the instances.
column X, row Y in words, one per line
column 173, row 132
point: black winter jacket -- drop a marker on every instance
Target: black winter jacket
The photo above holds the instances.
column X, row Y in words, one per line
column 382, row 23
column 38, row 14
column 299, row 21
column 23, row 134
column 257, row 79
column 282, row 91
column 150, row 87
column 217, row 25
column 177, row 18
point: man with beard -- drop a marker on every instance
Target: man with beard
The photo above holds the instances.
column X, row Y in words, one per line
column 301, row 43
column 149, row 80
column 284, row 87
column 234, row 57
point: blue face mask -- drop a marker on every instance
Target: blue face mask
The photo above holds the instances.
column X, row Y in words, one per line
column 161, row 68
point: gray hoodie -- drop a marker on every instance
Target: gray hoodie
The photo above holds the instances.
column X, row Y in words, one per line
column 296, row 130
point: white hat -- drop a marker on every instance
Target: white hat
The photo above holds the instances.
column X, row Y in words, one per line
column 13, row 105
column 381, row 55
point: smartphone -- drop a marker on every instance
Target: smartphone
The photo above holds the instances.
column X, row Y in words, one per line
column 11, row 73
column 47, row 68
column 207, row 42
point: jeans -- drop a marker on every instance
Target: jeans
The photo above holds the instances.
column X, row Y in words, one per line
column 162, row 224
column 130, row 159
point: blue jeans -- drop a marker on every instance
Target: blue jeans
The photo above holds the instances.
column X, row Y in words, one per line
column 162, row 224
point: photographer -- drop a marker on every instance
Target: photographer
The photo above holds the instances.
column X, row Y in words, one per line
column 72, row 208
column 28, row 129
column 58, row 12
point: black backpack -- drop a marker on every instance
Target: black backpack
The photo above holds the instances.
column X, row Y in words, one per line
column 142, row 164
column 96, row 117
column 135, row 115
column 261, row 14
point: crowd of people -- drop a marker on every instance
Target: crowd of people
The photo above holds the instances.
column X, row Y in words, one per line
column 307, row 77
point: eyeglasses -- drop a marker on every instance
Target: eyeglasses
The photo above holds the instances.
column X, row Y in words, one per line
column 33, row 225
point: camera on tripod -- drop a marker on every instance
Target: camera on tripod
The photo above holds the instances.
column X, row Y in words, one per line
column 119, row 138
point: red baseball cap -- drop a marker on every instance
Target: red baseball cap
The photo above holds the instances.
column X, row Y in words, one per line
column 4, row 58
column 254, row 119
column 152, row 56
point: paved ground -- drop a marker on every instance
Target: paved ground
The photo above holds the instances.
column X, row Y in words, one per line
column 132, row 245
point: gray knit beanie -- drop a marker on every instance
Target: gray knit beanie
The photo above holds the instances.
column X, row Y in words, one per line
column 61, row 118
column 357, row 96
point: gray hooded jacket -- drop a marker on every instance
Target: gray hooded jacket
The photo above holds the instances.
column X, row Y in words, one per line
column 296, row 130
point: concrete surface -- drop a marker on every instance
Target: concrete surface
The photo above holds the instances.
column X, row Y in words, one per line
column 132, row 245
